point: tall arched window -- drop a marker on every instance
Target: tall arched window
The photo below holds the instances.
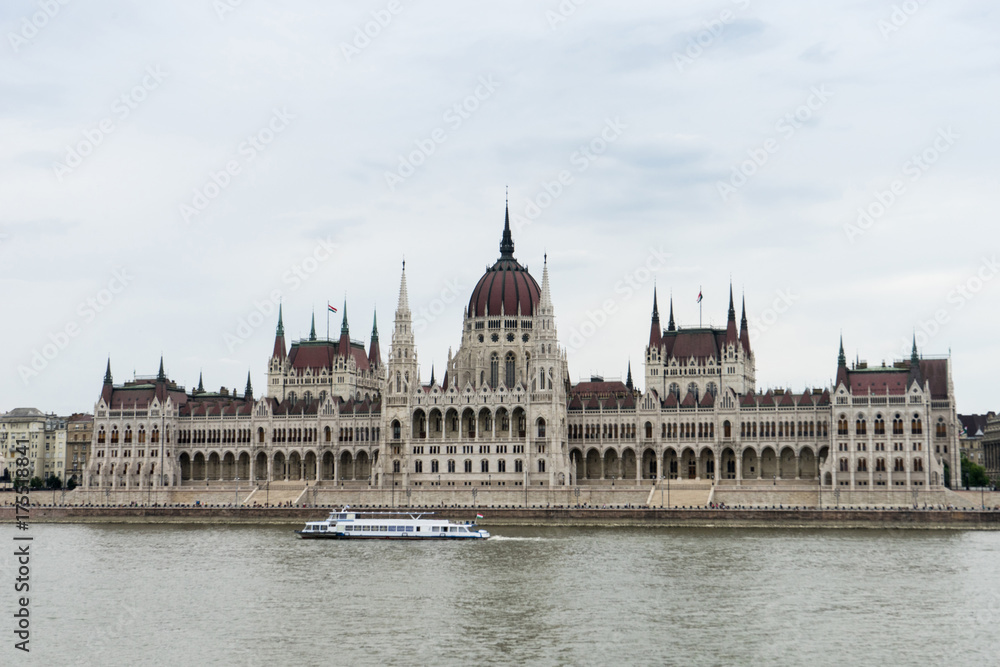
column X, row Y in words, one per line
column 693, row 388
column 675, row 389
column 712, row 389
column 494, row 370
column 509, row 378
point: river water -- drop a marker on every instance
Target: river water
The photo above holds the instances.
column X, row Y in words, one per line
column 257, row 595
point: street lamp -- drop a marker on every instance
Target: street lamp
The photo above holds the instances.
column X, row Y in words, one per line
column 576, row 492
column 237, row 501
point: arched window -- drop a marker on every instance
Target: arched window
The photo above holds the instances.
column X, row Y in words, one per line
column 649, row 430
column 399, row 382
column 395, row 466
column 541, row 466
column 898, row 466
column 468, row 466
column 451, row 466
column 879, row 465
column 101, row 436
column 518, row 465
column 842, row 425
column 843, row 465
column 916, row 425
column 675, row 389
column 509, row 377
column 860, row 427
column 541, row 427
column 712, row 389
column 484, row 466
column 395, row 429
column 494, row 370
column 434, row 466
column 693, row 389
column 940, row 430
column 862, row 465
column 418, row 466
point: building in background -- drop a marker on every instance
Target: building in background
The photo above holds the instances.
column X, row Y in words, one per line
column 991, row 448
column 79, row 432
column 24, row 427
column 970, row 439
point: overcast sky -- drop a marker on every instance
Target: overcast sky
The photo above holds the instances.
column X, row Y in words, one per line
column 168, row 169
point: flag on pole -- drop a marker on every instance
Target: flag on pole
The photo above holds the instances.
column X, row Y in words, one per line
column 479, row 516
column 332, row 309
column 699, row 296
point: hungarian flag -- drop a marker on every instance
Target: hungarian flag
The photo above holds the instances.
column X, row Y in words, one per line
column 699, row 296
column 479, row 516
column 332, row 309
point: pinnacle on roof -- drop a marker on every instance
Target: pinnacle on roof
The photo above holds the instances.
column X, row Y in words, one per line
column 375, row 327
column 731, row 336
column 670, row 323
column 545, row 300
column 914, row 375
column 344, row 329
column 280, row 331
column 914, row 357
column 656, row 309
column 312, row 329
column 201, row 387
column 744, row 330
column 107, row 373
column 507, row 242
column 628, row 381
column 842, row 358
column 404, row 299
column 249, row 389
column 732, row 311
column 432, row 375
column 160, row 376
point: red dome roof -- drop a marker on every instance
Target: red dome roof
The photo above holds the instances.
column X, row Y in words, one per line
column 506, row 286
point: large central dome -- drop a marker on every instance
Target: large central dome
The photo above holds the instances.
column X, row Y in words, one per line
column 506, row 286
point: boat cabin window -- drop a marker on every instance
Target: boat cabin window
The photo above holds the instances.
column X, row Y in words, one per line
column 409, row 529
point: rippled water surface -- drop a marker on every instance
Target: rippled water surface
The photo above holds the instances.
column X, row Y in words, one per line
column 256, row 595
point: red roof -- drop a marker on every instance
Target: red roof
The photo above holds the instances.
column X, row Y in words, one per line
column 321, row 354
column 506, row 286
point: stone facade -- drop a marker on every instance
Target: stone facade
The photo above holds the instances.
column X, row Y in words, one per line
column 505, row 414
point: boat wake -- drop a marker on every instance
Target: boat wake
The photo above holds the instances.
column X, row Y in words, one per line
column 506, row 538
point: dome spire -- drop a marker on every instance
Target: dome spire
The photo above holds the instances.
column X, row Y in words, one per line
column 507, row 242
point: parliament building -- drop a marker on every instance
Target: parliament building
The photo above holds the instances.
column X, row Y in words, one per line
column 506, row 414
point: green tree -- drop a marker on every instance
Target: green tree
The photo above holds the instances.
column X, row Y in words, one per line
column 973, row 474
column 53, row 482
column 35, row 483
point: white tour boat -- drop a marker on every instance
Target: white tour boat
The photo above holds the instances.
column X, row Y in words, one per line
column 354, row 525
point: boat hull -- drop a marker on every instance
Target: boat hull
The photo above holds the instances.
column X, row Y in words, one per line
column 309, row 535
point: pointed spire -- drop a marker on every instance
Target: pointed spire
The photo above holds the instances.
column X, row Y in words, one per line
column 107, row 373
column 374, row 352
column 732, row 338
column 507, row 242
column 404, row 298
column 842, row 366
column 375, row 327
column 432, row 375
column 201, row 386
column 670, row 323
column 280, row 331
column 744, row 329
column 628, row 381
column 915, row 374
column 655, row 332
column 161, row 376
column 545, row 302
column 344, row 329
column 842, row 358
column 312, row 329
column 249, row 389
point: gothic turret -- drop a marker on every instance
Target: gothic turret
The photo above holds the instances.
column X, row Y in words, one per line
column 670, row 323
column 344, row 344
column 374, row 353
column 732, row 338
column 249, row 389
column 914, row 375
column 108, row 386
column 655, row 332
column 279, row 339
column 312, row 327
column 628, row 380
column 842, row 366
column 744, row 330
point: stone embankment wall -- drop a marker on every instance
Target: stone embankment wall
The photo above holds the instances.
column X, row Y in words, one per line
column 695, row 518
